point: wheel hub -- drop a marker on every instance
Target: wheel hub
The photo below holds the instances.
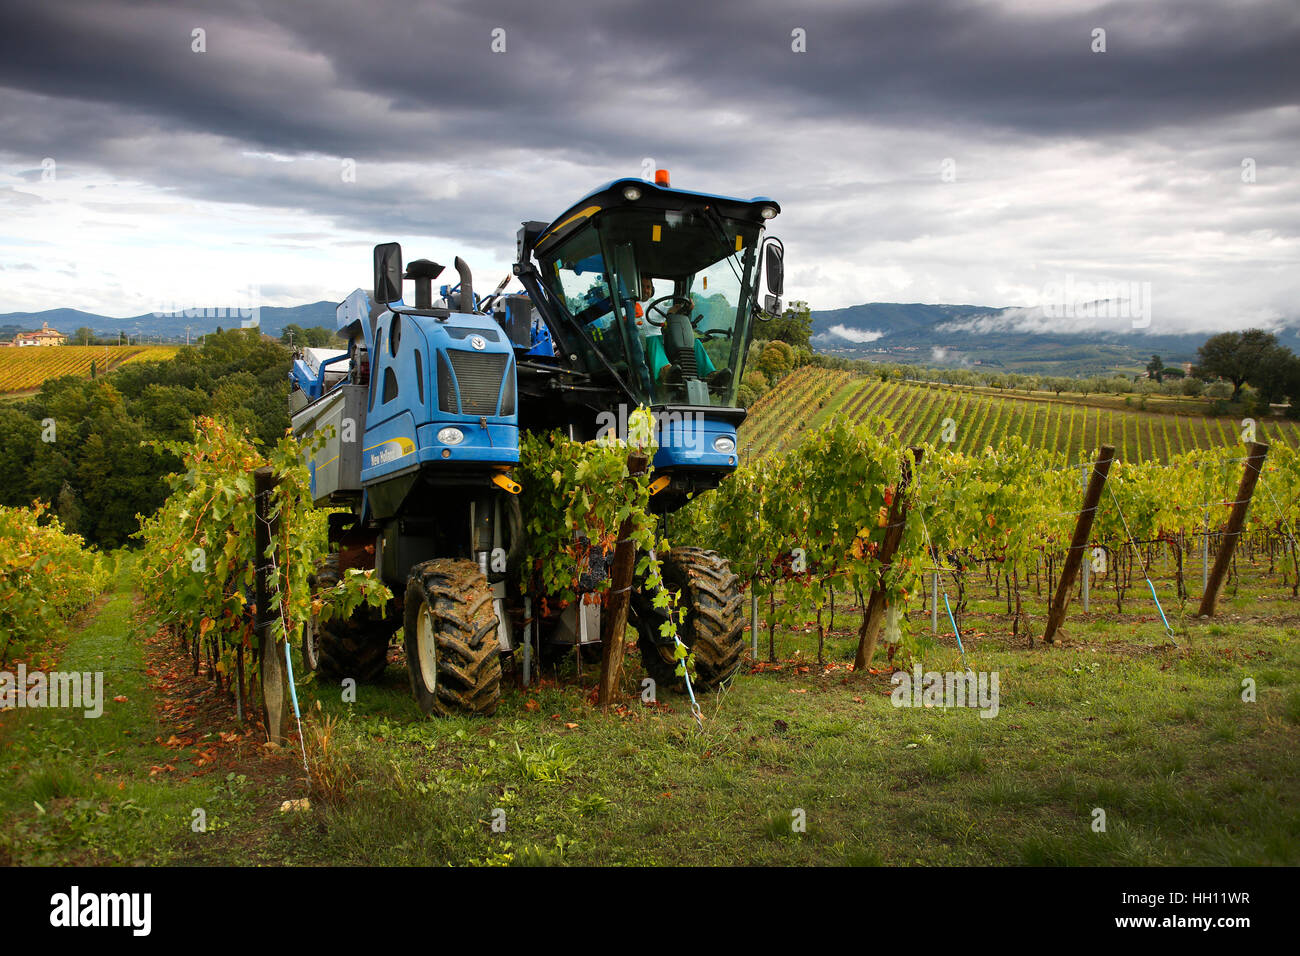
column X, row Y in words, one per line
column 311, row 644
column 428, row 648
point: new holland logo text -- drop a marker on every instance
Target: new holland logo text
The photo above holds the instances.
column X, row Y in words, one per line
column 390, row 450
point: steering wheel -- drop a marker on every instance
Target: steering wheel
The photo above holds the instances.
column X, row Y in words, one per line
column 657, row 305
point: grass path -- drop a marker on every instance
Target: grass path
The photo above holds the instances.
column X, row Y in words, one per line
column 108, row 789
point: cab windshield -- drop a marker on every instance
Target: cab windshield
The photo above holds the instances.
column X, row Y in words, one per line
column 666, row 297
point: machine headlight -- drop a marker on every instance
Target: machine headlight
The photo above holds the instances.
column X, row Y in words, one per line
column 451, row 436
column 631, row 193
column 768, row 212
column 724, row 444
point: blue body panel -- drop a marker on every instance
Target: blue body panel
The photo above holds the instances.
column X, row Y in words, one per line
column 355, row 308
column 389, row 448
column 689, row 442
column 495, row 443
column 401, row 432
column 542, row 343
column 312, row 383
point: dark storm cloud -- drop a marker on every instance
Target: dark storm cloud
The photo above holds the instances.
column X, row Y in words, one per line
column 453, row 139
column 380, row 81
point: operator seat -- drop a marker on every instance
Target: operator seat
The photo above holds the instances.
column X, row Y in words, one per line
column 679, row 344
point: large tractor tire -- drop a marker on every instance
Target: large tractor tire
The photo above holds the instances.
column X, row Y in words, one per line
column 450, row 632
column 339, row 649
column 713, row 627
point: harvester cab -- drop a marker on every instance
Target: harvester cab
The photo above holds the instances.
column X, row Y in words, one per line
column 419, row 425
column 649, row 294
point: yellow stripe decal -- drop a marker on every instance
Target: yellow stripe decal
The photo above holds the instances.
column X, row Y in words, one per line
column 406, row 444
column 740, row 240
column 585, row 214
column 655, row 233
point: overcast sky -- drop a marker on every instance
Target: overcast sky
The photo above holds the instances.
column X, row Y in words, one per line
column 942, row 151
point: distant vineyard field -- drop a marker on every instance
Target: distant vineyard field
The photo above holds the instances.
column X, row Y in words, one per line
column 809, row 396
column 26, row 369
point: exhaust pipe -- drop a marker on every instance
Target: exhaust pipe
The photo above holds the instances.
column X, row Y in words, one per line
column 466, row 286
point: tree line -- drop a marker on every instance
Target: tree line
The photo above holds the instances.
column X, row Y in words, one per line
column 86, row 446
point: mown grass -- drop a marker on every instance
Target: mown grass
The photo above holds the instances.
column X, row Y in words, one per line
column 80, row 790
column 1157, row 737
column 792, row 767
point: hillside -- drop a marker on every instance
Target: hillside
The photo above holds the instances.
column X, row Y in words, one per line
column 809, row 396
column 26, row 369
column 198, row 321
column 1016, row 340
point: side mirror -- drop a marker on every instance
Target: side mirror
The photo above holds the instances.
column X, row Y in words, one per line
column 773, row 276
column 388, row 272
column 626, row 271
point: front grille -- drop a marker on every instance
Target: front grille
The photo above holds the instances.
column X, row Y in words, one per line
column 479, row 378
column 446, row 390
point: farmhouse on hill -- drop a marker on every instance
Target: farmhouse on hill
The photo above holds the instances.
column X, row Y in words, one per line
column 43, row 336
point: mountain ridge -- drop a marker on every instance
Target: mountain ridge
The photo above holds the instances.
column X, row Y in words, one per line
column 915, row 333
column 1008, row 338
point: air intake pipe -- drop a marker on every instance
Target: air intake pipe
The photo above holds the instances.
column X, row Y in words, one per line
column 423, row 271
column 466, row 286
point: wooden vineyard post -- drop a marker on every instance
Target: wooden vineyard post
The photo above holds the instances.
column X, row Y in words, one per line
column 271, row 653
column 873, row 618
column 527, row 655
column 1079, row 543
column 1205, row 555
column 934, row 593
column 1236, row 521
column 614, row 620
column 1087, row 563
